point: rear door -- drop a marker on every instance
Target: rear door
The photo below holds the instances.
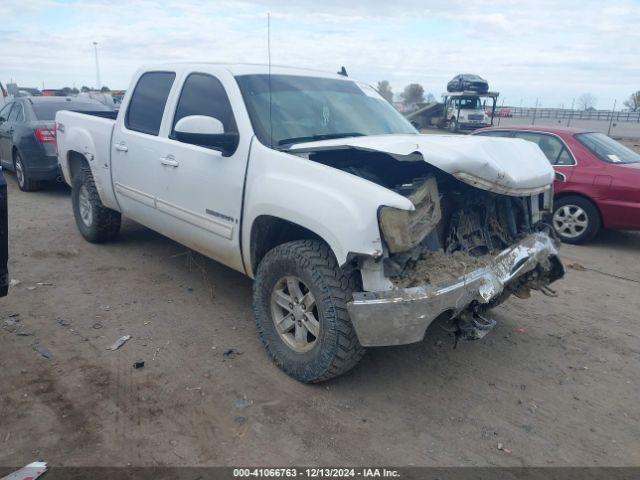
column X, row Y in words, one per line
column 136, row 149
column 201, row 189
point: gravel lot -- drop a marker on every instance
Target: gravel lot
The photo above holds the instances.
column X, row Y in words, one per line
column 556, row 383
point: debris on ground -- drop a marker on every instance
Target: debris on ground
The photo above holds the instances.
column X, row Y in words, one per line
column 231, row 354
column 577, row 266
column 62, row 322
column 243, row 402
column 240, row 420
column 11, row 324
column 97, row 325
column 104, row 308
column 119, row 342
column 502, row 449
column 42, row 350
column 44, row 284
column 138, row 365
column 29, row 472
column 13, row 282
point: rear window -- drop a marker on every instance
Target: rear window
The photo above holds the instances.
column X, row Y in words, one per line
column 147, row 102
column 47, row 110
column 607, row 149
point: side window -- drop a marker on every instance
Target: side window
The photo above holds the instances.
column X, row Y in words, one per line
column 4, row 113
column 552, row 147
column 203, row 94
column 148, row 101
column 564, row 158
column 16, row 113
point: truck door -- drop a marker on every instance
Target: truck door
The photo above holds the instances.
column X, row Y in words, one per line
column 136, row 148
column 201, row 188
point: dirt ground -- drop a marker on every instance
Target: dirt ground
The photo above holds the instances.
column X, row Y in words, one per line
column 556, row 383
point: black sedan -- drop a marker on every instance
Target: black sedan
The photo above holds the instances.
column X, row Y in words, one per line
column 468, row 82
column 28, row 136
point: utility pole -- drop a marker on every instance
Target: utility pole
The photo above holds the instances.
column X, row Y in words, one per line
column 611, row 120
column 95, row 47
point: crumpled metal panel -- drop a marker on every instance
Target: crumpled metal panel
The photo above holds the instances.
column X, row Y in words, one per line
column 401, row 316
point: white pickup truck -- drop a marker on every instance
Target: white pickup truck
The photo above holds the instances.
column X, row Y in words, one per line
column 358, row 230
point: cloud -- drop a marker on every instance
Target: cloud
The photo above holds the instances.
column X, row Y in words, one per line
column 546, row 49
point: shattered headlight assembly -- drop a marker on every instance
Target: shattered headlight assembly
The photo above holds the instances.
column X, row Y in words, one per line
column 404, row 229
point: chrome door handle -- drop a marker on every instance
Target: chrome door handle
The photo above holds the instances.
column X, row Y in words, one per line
column 169, row 161
column 121, row 147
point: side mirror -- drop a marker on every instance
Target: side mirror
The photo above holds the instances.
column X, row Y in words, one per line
column 207, row 132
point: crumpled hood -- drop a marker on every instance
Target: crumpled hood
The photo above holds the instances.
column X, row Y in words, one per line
column 506, row 165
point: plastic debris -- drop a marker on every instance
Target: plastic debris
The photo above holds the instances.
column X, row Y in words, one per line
column 42, row 350
column 231, row 353
column 105, row 308
column 30, row 472
column 13, row 282
column 138, row 365
column 243, row 402
column 118, row 343
column 63, row 323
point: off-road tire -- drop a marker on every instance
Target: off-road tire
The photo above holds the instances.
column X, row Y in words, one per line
column 27, row 184
column 337, row 349
column 105, row 223
column 594, row 224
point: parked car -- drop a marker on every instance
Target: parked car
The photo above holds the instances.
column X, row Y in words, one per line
column 468, row 82
column 28, row 136
column 4, row 238
column 314, row 185
column 597, row 179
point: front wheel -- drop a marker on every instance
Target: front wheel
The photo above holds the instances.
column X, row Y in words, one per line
column 25, row 182
column 96, row 222
column 575, row 219
column 300, row 300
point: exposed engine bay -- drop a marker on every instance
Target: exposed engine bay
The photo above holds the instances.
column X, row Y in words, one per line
column 462, row 251
column 454, row 225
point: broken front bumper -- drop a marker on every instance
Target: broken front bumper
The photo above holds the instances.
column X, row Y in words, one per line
column 400, row 316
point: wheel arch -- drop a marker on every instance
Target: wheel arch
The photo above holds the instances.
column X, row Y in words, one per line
column 268, row 231
column 75, row 160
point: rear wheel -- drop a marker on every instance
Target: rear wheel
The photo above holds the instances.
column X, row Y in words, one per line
column 575, row 219
column 25, row 182
column 300, row 300
column 96, row 222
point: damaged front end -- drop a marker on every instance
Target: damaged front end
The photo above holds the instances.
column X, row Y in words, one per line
column 478, row 231
column 460, row 252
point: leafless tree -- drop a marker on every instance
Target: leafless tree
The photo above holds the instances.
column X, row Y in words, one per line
column 633, row 103
column 586, row 101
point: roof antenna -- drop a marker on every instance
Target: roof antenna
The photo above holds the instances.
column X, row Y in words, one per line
column 269, row 53
column 343, row 72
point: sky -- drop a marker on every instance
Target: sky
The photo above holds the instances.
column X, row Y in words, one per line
column 545, row 51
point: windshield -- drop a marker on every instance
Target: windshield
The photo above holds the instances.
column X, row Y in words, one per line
column 47, row 110
column 607, row 149
column 310, row 108
column 470, row 103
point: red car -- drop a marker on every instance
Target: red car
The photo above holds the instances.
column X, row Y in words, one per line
column 597, row 179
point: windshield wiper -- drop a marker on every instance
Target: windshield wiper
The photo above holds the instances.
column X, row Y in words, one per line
column 320, row 136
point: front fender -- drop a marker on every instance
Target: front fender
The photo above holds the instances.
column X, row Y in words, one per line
column 339, row 207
